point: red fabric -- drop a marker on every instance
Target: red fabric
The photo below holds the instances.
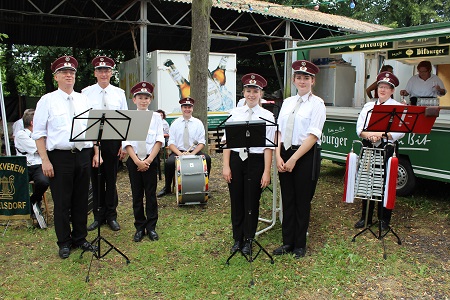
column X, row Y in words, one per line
column 392, row 182
column 347, row 162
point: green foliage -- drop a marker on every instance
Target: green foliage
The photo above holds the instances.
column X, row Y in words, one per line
column 391, row 13
column 188, row 262
column 27, row 68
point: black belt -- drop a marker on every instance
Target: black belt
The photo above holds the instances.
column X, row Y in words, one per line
column 74, row 150
column 249, row 154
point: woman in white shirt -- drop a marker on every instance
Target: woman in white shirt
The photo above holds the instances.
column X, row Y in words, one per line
column 301, row 121
column 248, row 173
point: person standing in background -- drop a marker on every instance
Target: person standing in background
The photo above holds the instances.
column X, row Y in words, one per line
column 301, row 121
column 374, row 86
column 105, row 96
column 424, row 84
column 67, row 164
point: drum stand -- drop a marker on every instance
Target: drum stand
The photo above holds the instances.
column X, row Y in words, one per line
column 369, row 186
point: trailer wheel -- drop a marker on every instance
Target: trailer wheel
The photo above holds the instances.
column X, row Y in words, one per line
column 406, row 180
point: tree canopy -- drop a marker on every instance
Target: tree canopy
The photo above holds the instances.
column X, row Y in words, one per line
column 391, row 13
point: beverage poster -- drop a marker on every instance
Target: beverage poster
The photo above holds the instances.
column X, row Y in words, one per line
column 169, row 71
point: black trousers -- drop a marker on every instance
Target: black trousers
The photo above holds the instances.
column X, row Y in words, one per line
column 70, row 188
column 169, row 168
column 105, row 208
column 144, row 183
column 245, row 192
column 41, row 183
column 297, row 190
column 383, row 213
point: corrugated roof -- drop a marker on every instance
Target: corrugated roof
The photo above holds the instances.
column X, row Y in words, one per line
column 299, row 14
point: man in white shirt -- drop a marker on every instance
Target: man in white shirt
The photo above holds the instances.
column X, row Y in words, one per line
column 18, row 125
column 67, row 163
column 424, row 84
column 104, row 96
column 179, row 146
column 26, row 146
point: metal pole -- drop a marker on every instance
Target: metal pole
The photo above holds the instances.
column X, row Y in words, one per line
column 143, row 42
column 5, row 123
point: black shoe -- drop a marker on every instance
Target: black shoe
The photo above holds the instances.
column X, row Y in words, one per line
column 153, row 235
column 362, row 222
column 285, row 249
column 299, row 252
column 163, row 192
column 246, row 249
column 236, row 246
column 64, row 252
column 139, row 235
column 384, row 225
column 86, row 246
column 93, row 226
column 114, row 225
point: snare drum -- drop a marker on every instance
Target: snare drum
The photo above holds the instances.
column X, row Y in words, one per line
column 192, row 179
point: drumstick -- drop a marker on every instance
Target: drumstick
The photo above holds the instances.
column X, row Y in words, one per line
column 192, row 147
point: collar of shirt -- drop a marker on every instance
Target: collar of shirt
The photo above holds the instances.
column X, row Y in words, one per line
column 63, row 94
column 255, row 109
column 305, row 97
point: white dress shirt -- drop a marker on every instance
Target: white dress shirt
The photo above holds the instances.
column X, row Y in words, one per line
column 26, row 146
column 309, row 119
column 166, row 126
column 115, row 97
column 52, row 119
column 18, row 125
column 241, row 114
column 154, row 134
column 196, row 132
column 417, row 87
column 242, row 102
column 365, row 113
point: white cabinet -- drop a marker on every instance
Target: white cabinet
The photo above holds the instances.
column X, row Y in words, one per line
column 335, row 84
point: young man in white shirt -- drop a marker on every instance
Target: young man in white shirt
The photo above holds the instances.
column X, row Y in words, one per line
column 193, row 146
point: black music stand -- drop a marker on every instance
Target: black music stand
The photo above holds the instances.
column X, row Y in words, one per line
column 393, row 118
column 247, row 134
column 98, row 125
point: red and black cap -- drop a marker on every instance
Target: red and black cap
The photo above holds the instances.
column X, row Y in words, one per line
column 253, row 79
column 103, row 62
column 387, row 77
column 142, row 87
column 305, row 67
column 64, row 63
column 187, row 101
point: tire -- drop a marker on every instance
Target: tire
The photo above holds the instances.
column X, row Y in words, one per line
column 406, row 180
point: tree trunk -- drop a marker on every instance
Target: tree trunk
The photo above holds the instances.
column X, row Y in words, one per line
column 199, row 72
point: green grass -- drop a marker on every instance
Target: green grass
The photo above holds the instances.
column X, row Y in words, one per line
column 188, row 262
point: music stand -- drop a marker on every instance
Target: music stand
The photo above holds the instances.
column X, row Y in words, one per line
column 394, row 118
column 247, row 134
column 107, row 125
